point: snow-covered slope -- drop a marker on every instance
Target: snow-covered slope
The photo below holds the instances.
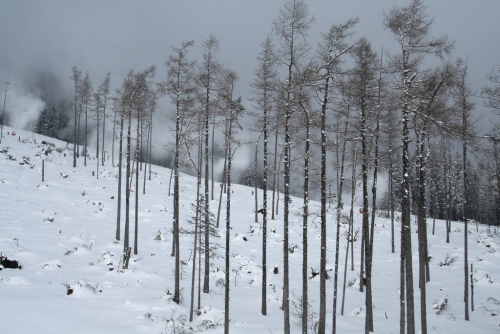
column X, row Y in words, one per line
column 62, row 231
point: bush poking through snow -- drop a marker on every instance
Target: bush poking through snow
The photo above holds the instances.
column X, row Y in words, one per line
column 180, row 325
column 440, row 305
column 81, row 285
column 314, row 273
column 48, row 143
column 448, row 260
column 491, row 312
column 89, row 246
column 69, row 290
column 70, row 251
column 352, row 281
column 494, row 300
column 9, row 264
column 296, row 310
column 158, row 236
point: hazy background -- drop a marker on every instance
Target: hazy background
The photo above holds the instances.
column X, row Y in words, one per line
column 40, row 41
column 116, row 36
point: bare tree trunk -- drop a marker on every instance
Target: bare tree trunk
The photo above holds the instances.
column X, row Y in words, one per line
column 322, row 265
column 286, row 292
column 369, row 258
column 86, row 131
column 391, row 196
column 305, row 214
column 78, row 131
column 136, row 230
column 195, row 245
column 127, row 186
column 76, row 78
column 365, row 275
column 198, row 207
column 206, row 277
column 422, row 229
column 351, row 212
column 406, row 227
column 176, row 236
column 275, row 189
column 97, row 144
column 114, row 139
column 228, row 228
column 402, row 293
column 75, row 134
column 434, row 201
column 150, row 143
column 212, row 159
column 446, row 202
column 340, row 205
column 222, row 187
column 103, row 130
column 146, row 165
column 278, row 182
column 463, row 94
column 120, row 167
column 465, row 207
column 255, row 180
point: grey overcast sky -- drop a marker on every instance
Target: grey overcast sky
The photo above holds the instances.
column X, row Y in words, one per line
column 119, row 35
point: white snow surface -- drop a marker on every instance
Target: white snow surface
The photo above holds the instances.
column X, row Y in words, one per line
column 62, row 231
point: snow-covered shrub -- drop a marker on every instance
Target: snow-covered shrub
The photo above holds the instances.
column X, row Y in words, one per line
column 440, row 304
column 158, row 236
column 448, row 260
column 491, row 312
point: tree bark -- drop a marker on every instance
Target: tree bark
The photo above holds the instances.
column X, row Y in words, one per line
column 120, row 167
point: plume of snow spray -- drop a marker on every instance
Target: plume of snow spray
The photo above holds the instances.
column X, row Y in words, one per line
column 22, row 108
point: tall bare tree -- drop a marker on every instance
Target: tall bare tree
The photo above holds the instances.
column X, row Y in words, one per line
column 3, row 112
column 98, row 106
column 86, row 90
column 180, row 90
column 76, row 77
column 208, row 74
column 291, row 28
column 234, row 110
column 104, row 90
column 462, row 96
column 129, row 94
column 430, row 105
column 334, row 44
column 364, row 92
column 410, row 26
column 264, row 87
column 120, row 168
column 145, row 105
column 306, row 79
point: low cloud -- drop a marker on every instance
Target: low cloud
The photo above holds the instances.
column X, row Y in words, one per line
column 22, row 108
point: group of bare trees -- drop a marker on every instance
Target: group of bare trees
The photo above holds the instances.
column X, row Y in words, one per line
column 135, row 103
column 133, row 107
column 87, row 100
column 317, row 91
column 319, row 113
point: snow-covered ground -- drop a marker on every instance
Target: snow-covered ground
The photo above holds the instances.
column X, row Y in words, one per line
column 62, row 231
